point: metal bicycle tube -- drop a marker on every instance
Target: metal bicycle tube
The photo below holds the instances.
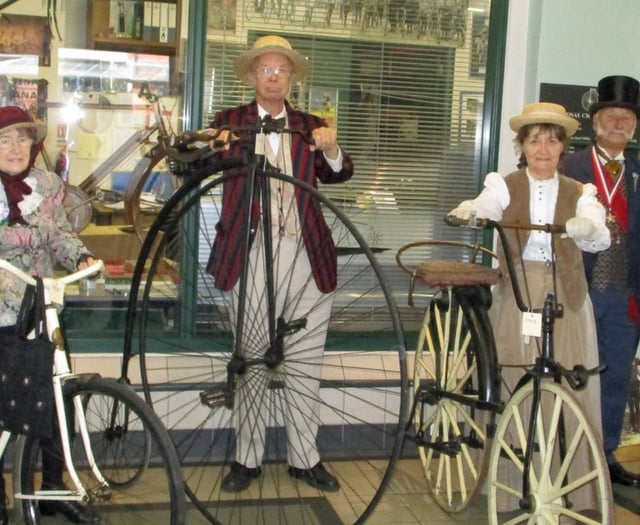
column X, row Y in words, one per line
column 265, row 189
column 249, row 190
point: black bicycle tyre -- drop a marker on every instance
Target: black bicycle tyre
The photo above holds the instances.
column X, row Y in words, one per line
column 139, row 499
column 152, row 263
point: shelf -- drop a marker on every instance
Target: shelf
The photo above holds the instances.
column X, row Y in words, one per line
column 131, row 45
column 101, row 30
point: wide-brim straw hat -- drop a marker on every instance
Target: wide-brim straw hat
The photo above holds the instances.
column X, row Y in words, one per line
column 545, row 113
column 13, row 117
column 270, row 44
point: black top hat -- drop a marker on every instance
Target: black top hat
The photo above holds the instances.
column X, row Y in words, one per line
column 617, row 92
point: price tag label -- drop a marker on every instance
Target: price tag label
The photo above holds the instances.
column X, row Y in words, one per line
column 531, row 324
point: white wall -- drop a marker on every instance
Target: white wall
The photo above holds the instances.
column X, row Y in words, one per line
column 584, row 40
column 564, row 42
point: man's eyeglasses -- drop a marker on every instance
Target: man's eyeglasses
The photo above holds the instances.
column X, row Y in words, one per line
column 267, row 71
column 22, row 142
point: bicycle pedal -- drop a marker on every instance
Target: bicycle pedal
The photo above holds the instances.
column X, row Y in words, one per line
column 217, row 397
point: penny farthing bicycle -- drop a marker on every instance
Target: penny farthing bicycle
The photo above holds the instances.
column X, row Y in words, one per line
column 207, row 371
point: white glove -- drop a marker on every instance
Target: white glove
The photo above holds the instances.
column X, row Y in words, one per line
column 580, row 229
column 464, row 211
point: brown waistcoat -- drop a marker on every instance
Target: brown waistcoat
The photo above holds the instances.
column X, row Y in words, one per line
column 569, row 265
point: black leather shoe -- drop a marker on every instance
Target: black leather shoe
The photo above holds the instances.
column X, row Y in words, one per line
column 71, row 510
column 622, row 476
column 317, row 477
column 239, row 478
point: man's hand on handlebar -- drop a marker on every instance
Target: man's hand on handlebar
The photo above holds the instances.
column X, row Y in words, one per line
column 326, row 140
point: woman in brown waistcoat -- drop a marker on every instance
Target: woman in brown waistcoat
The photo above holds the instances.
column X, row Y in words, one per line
column 537, row 193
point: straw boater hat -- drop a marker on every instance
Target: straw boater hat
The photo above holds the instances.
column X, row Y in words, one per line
column 270, row 44
column 14, row 117
column 544, row 113
column 617, row 91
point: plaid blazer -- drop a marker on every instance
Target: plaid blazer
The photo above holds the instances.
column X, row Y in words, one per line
column 226, row 256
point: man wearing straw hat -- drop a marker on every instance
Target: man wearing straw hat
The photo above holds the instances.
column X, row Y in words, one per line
column 614, row 274
column 271, row 67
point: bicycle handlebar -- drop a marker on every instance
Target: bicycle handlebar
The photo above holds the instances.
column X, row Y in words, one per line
column 500, row 227
column 487, row 224
column 67, row 279
column 185, row 152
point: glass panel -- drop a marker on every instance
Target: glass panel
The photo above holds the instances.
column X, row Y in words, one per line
column 402, row 81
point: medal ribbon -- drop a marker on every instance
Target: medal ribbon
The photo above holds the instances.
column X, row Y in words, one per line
column 615, row 201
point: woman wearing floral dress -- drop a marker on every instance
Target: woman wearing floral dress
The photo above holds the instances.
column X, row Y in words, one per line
column 34, row 235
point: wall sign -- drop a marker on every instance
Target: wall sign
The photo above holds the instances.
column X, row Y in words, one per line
column 577, row 100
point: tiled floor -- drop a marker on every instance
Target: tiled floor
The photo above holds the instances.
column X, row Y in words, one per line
column 407, row 503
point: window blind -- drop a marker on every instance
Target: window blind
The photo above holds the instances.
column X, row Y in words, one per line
column 407, row 110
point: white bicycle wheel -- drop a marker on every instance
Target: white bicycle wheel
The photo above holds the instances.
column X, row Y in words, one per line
column 570, row 487
column 455, row 454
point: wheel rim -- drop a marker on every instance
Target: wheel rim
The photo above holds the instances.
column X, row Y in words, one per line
column 362, row 379
column 575, row 490
column 453, row 478
column 129, row 455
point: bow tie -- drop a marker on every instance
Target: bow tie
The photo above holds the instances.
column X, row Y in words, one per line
column 613, row 166
column 272, row 125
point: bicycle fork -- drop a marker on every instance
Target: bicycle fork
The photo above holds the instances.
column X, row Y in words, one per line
column 62, row 374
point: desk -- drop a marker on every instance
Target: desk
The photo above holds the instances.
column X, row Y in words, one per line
column 102, row 308
column 110, row 243
column 108, row 215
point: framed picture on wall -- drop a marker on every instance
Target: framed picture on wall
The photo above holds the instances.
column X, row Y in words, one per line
column 470, row 114
column 323, row 102
column 479, row 40
column 221, row 16
column 26, row 35
column 577, row 100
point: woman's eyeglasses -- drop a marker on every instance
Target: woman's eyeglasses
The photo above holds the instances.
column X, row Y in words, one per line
column 22, row 142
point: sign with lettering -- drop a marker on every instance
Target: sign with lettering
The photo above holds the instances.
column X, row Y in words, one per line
column 577, row 100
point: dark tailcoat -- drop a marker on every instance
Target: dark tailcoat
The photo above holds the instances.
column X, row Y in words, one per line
column 579, row 166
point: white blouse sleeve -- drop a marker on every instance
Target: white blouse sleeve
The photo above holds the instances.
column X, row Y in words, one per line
column 493, row 198
column 588, row 206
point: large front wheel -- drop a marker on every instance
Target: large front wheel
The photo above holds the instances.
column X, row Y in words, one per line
column 334, row 389
column 568, row 477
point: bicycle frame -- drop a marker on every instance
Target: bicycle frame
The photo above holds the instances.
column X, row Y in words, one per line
column 545, row 366
column 54, row 298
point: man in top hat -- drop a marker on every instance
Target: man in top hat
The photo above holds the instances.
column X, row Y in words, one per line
column 271, row 67
column 614, row 274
